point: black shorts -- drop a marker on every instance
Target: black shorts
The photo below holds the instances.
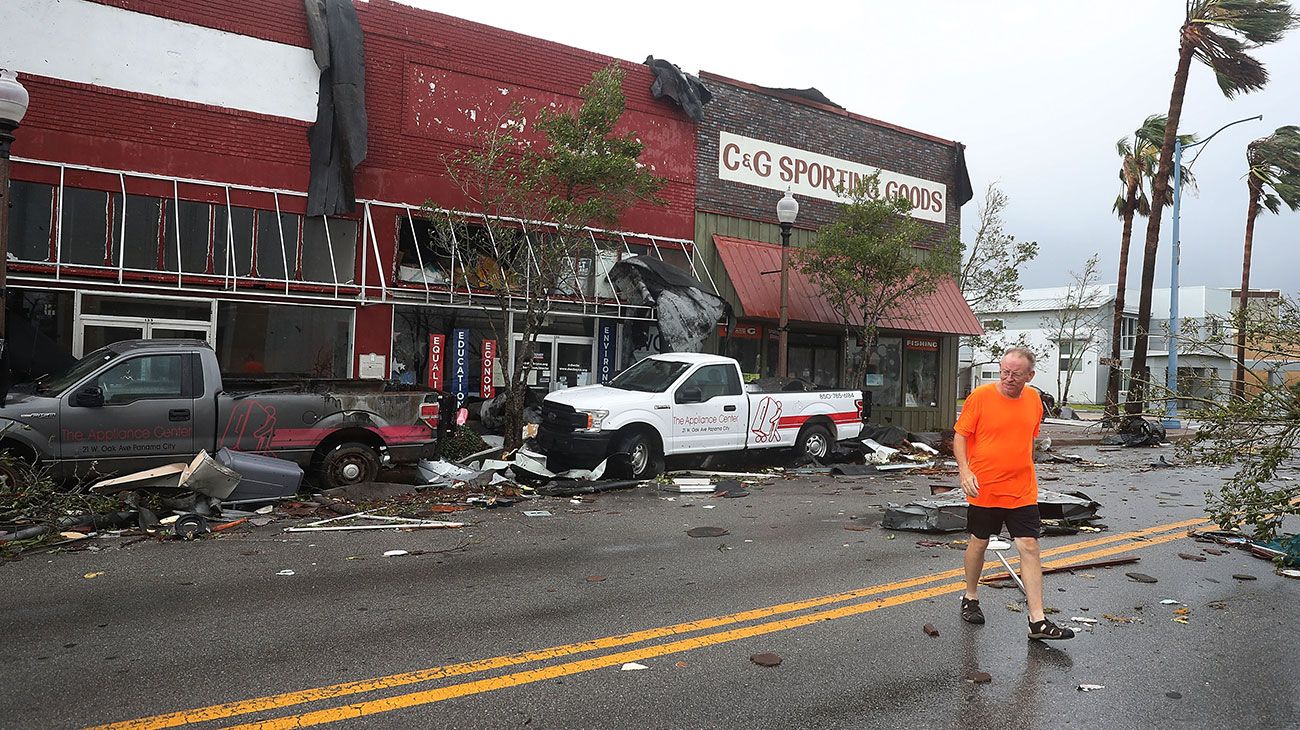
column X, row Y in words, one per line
column 983, row 522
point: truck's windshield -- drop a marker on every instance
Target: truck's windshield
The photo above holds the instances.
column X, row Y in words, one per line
column 649, row 376
column 59, row 382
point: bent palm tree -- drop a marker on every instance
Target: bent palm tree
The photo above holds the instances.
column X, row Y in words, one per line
column 1138, row 161
column 1273, row 180
column 1218, row 33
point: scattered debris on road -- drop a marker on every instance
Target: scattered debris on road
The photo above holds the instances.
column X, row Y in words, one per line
column 707, row 532
column 1141, row 578
column 930, row 630
column 766, row 660
column 978, row 677
column 1091, row 687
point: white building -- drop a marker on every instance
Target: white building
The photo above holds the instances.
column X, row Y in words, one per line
column 1038, row 317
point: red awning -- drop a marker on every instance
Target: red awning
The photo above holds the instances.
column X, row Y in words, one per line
column 753, row 268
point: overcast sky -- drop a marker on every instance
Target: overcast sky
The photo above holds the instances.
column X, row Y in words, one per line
column 1038, row 91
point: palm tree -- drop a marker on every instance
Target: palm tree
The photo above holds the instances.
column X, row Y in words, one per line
column 1218, row 33
column 1138, row 160
column 1273, row 180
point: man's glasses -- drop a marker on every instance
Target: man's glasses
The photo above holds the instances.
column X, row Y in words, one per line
column 1016, row 374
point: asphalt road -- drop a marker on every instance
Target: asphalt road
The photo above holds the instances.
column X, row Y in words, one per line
column 518, row 621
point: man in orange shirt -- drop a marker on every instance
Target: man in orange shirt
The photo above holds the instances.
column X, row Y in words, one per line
column 994, row 446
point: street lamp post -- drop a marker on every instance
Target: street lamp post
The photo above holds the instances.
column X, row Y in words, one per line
column 13, row 105
column 1171, row 372
column 787, row 209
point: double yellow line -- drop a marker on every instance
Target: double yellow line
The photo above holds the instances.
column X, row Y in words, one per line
column 1107, row 546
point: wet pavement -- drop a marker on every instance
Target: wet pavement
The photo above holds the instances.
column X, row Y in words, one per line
column 519, row 621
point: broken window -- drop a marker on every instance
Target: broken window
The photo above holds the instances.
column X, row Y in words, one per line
column 83, row 224
column 29, row 220
column 425, row 251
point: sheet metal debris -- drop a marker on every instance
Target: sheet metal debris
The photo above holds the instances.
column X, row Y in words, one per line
column 947, row 512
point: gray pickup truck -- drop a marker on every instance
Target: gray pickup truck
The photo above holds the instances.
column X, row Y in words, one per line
column 138, row 404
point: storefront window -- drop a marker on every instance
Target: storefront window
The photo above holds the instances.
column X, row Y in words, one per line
column 277, row 245
column 39, row 334
column 745, row 345
column 255, row 338
column 921, row 369
column 29, row 220
column 84, row 227
column 141, row 248
column 814, row 358
column 240, row 257
column 318, row 244
column 884, row 368
column 194, row 218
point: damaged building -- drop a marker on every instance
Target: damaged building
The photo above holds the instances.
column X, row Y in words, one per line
column 263, row 180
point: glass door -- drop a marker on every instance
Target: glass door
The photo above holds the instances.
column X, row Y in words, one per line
column 95, row 335
column 102, row 319
column 573, row 364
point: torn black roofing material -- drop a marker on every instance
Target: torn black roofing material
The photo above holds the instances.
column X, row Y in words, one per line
column 688, row 91
column 339, row 139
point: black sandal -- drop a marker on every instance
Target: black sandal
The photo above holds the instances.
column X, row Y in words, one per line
column 1045, row 629
column 970, row 611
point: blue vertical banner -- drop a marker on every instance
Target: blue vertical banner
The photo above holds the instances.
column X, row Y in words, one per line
column 460, row 365
column 604, row 351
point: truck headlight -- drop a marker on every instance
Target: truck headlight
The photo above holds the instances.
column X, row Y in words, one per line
column 594, row 419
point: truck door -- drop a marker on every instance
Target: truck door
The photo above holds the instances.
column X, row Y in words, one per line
column 709, row 411
column 137, row 414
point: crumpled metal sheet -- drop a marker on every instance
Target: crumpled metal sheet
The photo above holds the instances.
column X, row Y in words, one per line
column 947, row 512
column 688, row 313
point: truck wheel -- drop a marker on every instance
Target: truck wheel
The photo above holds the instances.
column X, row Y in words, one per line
column 642, row 453
column 814, row 441
column 348, row 463
column 15, row 471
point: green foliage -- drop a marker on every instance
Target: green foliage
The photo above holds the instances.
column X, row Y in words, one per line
column 461, row 443
column 990, row 275
column 1222, row 31
column 870, row 261
column 1139, row 159
column 591, row 172
column 1255, row 435
column 1274, row 175
column 538, row 196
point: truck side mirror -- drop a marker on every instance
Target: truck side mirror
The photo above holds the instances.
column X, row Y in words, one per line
column 90, row 396
column 690, row 394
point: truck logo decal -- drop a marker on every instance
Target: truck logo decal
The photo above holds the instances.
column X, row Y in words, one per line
column 767, row 418
column 251, row 420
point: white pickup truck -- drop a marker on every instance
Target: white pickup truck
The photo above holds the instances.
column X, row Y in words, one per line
column 688, row 403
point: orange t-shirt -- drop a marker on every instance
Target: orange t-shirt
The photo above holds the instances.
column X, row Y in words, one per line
column 1000, row 435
